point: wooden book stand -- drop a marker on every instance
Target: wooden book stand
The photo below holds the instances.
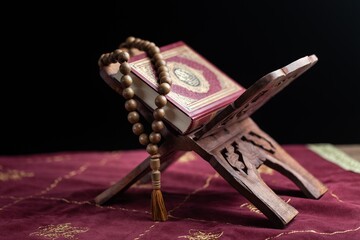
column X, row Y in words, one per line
column 235, row 147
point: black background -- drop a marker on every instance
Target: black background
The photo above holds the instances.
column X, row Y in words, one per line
column 53, row 99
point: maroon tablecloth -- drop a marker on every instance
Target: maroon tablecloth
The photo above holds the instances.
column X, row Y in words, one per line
column 50, row 196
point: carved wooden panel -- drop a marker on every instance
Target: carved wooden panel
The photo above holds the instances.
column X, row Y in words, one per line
column 236, row 147
column 259, row 141
column 241, row 157
column 257, row 95
column 234, row 157
column 237, row 161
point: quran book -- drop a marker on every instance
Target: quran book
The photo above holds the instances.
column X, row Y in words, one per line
column 198, row 92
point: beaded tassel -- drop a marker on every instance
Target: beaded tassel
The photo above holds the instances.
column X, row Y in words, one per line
column 158, row 209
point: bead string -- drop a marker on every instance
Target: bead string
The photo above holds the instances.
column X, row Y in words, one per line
column 151, row 141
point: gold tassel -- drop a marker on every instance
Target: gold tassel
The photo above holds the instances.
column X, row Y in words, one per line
column 158, row 209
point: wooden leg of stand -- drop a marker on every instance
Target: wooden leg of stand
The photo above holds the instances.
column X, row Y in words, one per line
column 168, row 154
column 281, row 161
column 124, row 183
column 237, row 163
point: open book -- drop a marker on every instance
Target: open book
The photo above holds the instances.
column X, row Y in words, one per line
column 202, row 97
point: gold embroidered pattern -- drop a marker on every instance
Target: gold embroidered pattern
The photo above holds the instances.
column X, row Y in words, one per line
column 251, row 207
column 146, row 231
column 112, row 156
column 92, row 204
column 254, row 209
column 124, row 209
column 205, row 221
column 50, row 187
column 118, row 208
column 12, row 203
column 314, row 232
column 13, row 174
column 10, row 197
column 206, row 185
column 202, row 235
column 263, row 169
column 67, row 176
column 335, row 196
column 50, row 159
column 142, row 186
column 187, row 157
column 64, row 230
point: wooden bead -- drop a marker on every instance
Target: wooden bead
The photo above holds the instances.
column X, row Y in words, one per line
column 156, row 175
column 136, row 43
column 145, row 45
column 152, row 149
column 155, row 137
column 133, row 117
column 138, row 129
column 159, row 113
column 154, row 163
column 157, row 125
column 116, row 53
column 106, row 61
column 130, row 105
column 153, row 50
column 143, row 139
column 155, row 156
column 128, row 93
column 125, row 68
column 129, row 40
column 132, row 52
column 155, row 179
column 162, row 69
column 140, row 46
column 122, row 45
column 157, row 57
column 160, row 63
column 160, row 101
column 164, row 88
column 113, row 58
column 126, row 81
column 166, row 79
column 151, row 45
column 123, row 57
column 100, row 61
column 164, row 74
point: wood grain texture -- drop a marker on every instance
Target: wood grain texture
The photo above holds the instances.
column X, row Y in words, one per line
column 235, row 147
column 168, row 154
column 257, row 95
column 235, row 153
